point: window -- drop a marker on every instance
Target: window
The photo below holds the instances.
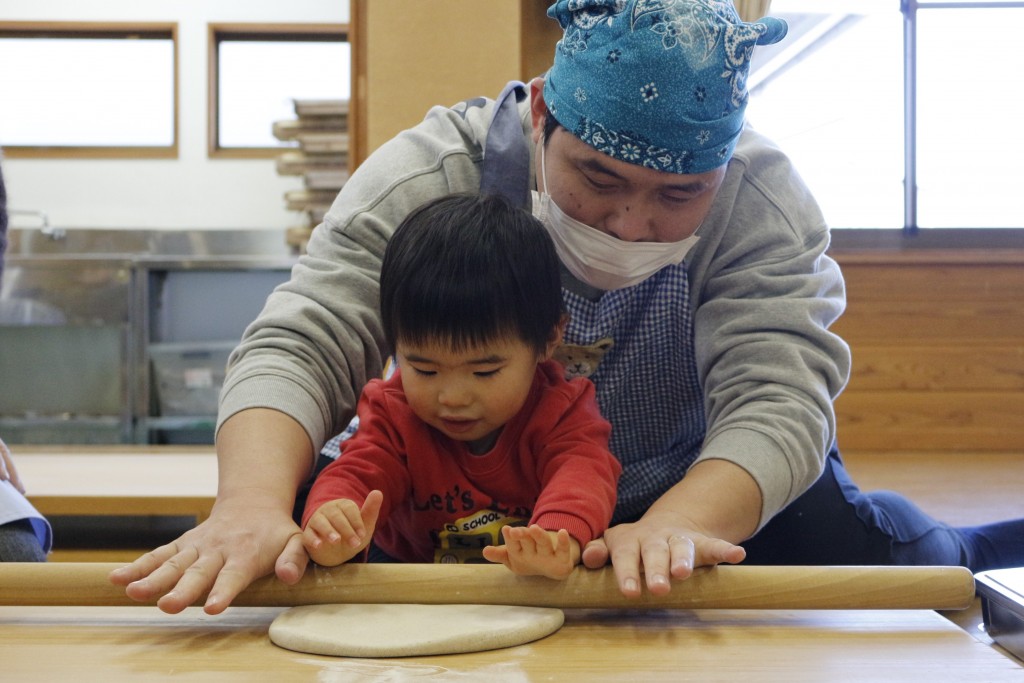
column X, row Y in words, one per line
column 865, row 95
column 86, row 89
column 256, row 74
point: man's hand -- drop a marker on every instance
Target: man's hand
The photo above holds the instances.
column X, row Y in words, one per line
column 662, row 551
column 532, row 551
column 262, row 457
column 339, row 529
column 683, row 529
column 222, row 556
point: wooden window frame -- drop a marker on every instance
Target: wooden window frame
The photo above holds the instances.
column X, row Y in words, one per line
column 220, row 32
column 100, row 30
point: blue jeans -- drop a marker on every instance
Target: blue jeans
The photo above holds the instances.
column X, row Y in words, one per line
column 835, row 523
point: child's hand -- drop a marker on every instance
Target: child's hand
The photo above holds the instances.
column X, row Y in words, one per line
column 530, row 551
column 339, row 530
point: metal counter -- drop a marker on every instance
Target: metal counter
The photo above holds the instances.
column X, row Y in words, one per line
column 94, row 324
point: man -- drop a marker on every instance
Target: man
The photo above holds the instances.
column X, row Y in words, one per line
column 694, row 261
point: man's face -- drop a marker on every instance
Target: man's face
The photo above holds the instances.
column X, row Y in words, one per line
column 626, row 201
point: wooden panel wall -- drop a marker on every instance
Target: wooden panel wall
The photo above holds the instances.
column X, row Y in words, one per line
column 938, row 351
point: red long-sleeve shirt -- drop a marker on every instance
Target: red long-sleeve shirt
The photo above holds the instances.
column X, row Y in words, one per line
column 550, row 466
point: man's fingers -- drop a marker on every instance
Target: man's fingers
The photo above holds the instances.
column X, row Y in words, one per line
column 143, row 566
column 683, row 553
column 228, row 582
column 164, row 577
column 718, row 551
column 181, row 581
column 656, row 556
column 625, row 557
column 292, row 562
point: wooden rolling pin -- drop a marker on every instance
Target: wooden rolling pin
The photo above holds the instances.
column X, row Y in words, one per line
column 723, row 587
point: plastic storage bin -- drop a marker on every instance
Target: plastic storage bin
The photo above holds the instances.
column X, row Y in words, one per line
column 188, row 376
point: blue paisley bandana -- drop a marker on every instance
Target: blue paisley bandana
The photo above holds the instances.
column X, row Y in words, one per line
column 658, row 83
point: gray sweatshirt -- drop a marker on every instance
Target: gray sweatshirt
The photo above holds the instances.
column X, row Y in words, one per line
column 762, row 292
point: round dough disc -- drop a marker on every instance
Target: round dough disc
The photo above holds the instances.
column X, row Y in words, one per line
column 405, row 630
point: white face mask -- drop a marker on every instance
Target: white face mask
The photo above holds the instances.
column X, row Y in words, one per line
column 596, row 258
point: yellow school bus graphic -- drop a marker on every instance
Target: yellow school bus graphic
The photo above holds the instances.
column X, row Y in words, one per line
column 463, row 541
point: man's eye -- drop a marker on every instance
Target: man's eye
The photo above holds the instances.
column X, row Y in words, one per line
column 675, row 198
column 598, row 184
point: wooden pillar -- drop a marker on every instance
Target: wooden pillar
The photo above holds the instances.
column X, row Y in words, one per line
column 410, row 56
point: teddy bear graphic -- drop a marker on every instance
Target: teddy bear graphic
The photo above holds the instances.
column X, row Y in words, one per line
column 581, row 360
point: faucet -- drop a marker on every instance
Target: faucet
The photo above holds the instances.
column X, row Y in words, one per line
column 54, row 233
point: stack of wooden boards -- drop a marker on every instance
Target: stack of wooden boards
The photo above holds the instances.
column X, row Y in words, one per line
column 320, row 128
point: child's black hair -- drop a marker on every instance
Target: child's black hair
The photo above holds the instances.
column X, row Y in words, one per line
column 468, row 269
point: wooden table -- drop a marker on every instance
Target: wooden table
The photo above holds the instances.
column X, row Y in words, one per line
column 961, row 488
column 141, row 643
column 112, row 644
column 155, row 492
column 119, row 480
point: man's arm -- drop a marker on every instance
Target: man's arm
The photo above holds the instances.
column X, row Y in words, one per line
column 263, row 456
column 295, row 378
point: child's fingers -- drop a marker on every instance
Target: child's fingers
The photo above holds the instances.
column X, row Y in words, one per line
column 496, row 553
column 535, row 551
column 370, row 511
column 310, row 539
column 562, row 542
column 515, row 536
column 319, row 530
column 541, row 540
column 343, row 516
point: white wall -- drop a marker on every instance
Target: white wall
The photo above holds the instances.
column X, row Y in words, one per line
column 190, row 192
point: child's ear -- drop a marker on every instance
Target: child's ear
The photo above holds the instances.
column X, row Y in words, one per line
column 557, row 333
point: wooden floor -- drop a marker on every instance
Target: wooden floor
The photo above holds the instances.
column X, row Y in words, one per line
column 962, row 489
column 959, row 488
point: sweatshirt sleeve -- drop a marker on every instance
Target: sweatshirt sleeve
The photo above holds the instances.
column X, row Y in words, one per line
column 768, row 293
column 373, row 458
column 578, row 474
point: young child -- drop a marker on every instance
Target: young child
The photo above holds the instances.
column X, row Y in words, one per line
column 477, row 437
